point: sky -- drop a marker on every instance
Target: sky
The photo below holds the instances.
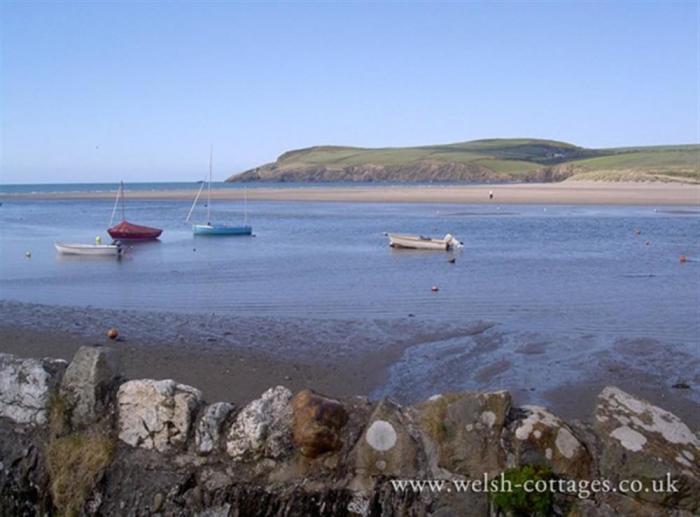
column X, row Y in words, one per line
column 103, row 91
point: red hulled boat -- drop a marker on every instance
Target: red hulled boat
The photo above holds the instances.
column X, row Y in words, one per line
column 132, row 232
column 126, row 231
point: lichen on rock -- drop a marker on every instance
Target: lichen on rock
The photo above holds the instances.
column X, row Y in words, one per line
column 540, row 437
column 642, row 441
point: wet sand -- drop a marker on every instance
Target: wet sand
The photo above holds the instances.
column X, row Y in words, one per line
column 236, row 359
column 565, row 193
column 232, row 359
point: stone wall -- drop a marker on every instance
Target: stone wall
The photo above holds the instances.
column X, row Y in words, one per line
column 170, row 453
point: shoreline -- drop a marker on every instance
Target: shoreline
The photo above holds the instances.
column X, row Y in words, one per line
column 236, row 359
column 565, row 193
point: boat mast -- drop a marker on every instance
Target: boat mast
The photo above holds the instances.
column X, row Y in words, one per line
column 211, row 155
column 116, row 203
column 196, row 198
column 245, row 205
column 121, row 189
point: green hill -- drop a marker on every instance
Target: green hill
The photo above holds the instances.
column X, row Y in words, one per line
column 494, row 160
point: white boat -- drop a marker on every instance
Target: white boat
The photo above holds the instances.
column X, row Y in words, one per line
column 95, row 250
column 419, row 242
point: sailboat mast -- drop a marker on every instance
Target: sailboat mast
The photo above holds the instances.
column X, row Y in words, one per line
column 121, row 189
column 211, row 156
column 245, row 205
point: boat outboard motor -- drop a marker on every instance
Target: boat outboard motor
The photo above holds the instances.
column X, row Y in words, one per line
column 452, row 242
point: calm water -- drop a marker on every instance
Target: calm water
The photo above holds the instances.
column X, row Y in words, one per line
column 576, row 269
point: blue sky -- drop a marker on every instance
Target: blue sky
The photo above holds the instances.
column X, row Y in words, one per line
column 97, row 91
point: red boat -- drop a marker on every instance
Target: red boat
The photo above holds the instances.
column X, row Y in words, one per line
column 126, row 231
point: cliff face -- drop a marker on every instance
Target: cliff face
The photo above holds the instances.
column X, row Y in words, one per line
column 420, row 171
column 423, row 171
column 78, row 439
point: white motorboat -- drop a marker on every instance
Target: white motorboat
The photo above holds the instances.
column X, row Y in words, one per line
column 95, row 250
column 419, row 242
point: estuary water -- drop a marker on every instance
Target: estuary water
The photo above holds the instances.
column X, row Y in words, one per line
column 583, row 269
column 566, row 294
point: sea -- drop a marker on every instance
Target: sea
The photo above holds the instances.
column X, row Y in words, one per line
column 588, row 276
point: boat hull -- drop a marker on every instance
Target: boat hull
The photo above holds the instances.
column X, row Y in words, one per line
column 126, row 231
column 91, row 250
column 416, row 242
column 221, row 230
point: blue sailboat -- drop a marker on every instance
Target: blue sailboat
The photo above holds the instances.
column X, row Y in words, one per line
column 214, row 229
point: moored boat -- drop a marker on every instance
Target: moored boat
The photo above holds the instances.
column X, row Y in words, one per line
column 65, row 248
column 419, row 242
column 218, row 228
column 126, row 231
column 221, row 229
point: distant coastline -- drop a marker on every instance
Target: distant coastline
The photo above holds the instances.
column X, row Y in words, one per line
column 566, row 193
column 484, row 161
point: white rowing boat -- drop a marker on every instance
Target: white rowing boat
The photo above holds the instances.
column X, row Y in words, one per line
column 419, row 242
column 95, row 250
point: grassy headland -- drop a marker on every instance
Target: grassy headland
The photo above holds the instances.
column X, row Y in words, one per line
column 495, row 160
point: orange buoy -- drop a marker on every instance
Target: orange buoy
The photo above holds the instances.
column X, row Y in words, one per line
column 435, row 289
column 112, row 333
column 683, row 259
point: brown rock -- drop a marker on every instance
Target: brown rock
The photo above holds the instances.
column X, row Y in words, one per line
column 316, row 423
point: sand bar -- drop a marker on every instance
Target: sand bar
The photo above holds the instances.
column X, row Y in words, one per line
column 566, row 193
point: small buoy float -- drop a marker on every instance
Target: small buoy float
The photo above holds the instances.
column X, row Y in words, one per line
column 28, row 254
column 683, row 259
column 112, row 333
column 452, row 260
column 435, row 289
column 638, row 231
column 647, row 243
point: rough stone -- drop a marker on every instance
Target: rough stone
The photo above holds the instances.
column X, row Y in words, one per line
column 88, row 382
column 208, row 432
column 156, row 414
column 388, row 447
column 26, row 386
column 644, row 442
column 539, row 437
column 465, row 429
column 263, row 427
column 316, row 423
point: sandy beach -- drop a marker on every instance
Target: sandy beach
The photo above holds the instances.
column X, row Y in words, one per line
column 566, row 193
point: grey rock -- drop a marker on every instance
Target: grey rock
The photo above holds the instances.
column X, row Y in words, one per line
column 88, row 382
column 540, row 437
column 26, row 386
column 209, row 428
column 156, row 414
column 388, row 447
column 263, row 427
column 465, row 431
column 644, row 442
